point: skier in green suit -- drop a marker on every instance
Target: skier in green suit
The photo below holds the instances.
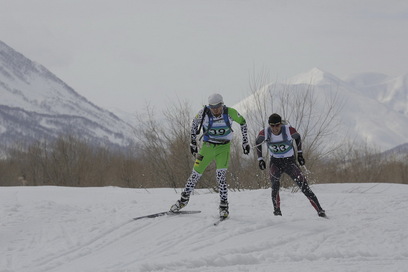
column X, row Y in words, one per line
column 216, row 120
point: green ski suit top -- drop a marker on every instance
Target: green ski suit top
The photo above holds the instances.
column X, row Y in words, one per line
column 217, row 134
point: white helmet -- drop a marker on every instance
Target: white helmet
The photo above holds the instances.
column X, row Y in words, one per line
column 215, row 100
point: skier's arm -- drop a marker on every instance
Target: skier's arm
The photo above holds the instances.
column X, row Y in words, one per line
column 244, row 132
column 258, row 143
column 236, row 117
column 195, row 125
column 296, row 136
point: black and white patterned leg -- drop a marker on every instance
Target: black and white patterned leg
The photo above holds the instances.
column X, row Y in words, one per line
column 192, row 181
column 222, row 184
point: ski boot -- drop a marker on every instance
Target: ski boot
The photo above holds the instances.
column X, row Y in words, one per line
column 224, row 209
column 180, row 203
column 321, row 213
column 277, row 211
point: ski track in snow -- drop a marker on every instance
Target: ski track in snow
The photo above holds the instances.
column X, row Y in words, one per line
column 59, row 229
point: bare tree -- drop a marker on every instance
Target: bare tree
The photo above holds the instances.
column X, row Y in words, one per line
column 315, row 120
column 165, row 142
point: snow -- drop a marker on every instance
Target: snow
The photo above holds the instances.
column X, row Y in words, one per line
column 314, row 76
column 64, row 229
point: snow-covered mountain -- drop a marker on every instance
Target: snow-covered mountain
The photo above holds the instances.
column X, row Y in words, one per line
column 370, row 108
column 389, row 91
column 35, row 104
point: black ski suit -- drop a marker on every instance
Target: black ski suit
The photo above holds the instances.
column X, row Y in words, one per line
column 282, row 160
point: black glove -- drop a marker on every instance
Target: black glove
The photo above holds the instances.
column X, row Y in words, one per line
column 262, row 164
column 246, row 148
column 301, row 160
column 193, row 148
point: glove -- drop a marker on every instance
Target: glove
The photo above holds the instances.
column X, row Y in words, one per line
column 301, row 160
column 246, row 148
column 193, row 148
column 262, row 164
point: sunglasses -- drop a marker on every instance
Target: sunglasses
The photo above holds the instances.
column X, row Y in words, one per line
column 216, row 106
column 275, row 125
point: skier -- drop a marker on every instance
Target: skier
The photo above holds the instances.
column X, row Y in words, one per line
column 216, row 120
column 279, row 140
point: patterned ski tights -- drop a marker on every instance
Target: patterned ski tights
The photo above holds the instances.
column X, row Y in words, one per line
column 221, row 180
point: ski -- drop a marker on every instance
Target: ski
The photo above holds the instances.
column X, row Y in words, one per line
column 219, row 220
column 325, row 217
column 154, row 215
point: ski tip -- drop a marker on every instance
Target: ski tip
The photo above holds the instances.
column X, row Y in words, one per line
column 165, row 213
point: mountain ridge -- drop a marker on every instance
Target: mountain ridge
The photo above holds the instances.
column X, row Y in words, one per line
column 362, row 118
column 36, row 104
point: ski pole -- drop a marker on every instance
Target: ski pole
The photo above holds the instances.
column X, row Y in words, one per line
column 305, row 169
column 258, row 144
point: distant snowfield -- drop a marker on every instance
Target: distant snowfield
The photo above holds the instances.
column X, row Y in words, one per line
column 63, row 229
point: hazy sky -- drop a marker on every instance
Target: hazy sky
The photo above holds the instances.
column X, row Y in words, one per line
column 126, row 53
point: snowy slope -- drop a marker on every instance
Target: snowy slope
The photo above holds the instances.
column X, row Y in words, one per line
column 390, row 91
column 90, row 229
column 35, row 104
column 372, row 107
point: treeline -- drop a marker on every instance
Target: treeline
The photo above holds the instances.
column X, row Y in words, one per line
column 162, row 159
